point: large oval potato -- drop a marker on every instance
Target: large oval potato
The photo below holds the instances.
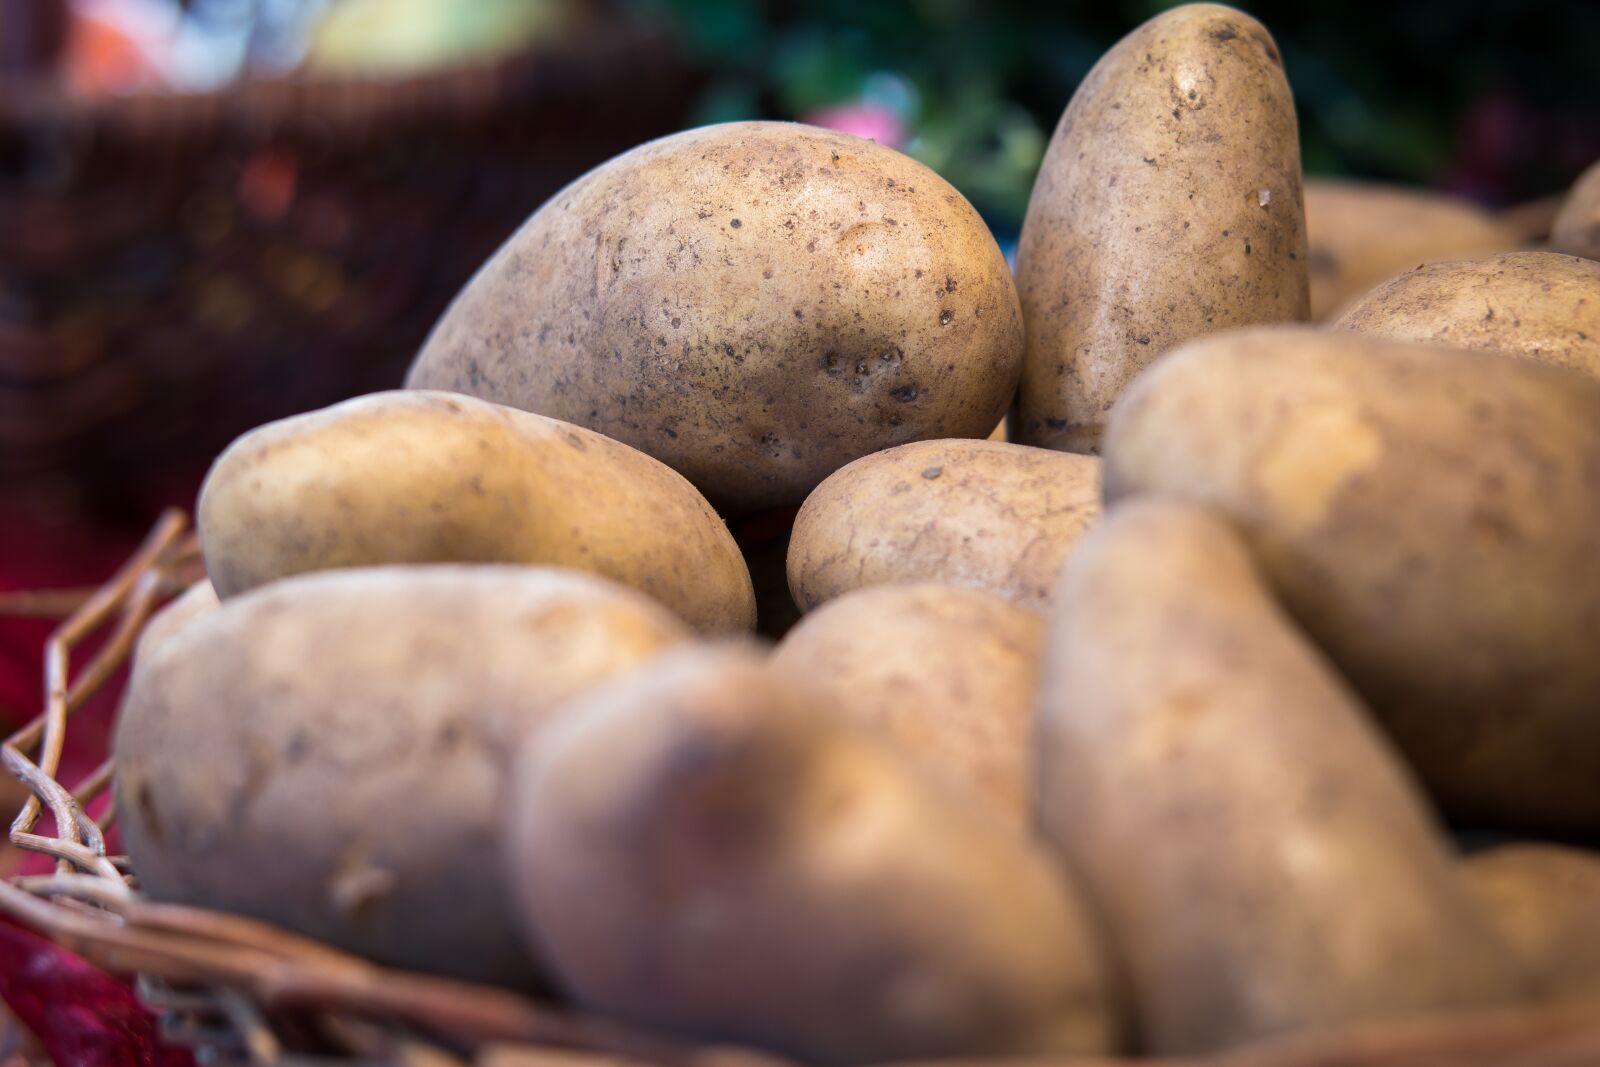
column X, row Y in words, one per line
column 1362, row 233
column 946, row 675
column 420, row 477
column 328, row 752
column 755, row 304
column 1262, row 859
column 1168, row 206
column 980, row 514
column 1431, row 516
column 1576, row 229
column 1545, row 902
column 704, row 848
column 1542, row 305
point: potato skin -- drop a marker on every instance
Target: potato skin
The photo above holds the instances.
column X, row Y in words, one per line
column 1545, row 902
column 979, row 514
column 199, row 600
column 755, row 304
column 704, row 848
column 1363, row 233
column 1431, row 517
column 1168, row 206
column 1576, row 229
column 421, row 477
column 948, row 676
column 327, row 752
column 1540, row 305
column 1260, row 872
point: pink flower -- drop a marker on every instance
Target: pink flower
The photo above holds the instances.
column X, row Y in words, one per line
column 873, row 121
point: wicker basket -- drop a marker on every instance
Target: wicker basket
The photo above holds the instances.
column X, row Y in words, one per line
column 240, row 991
column 175, row 269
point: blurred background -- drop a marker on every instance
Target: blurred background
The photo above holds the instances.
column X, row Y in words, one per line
column 218, row 212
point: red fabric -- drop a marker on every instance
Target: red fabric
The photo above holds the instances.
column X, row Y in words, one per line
column 81, row 1016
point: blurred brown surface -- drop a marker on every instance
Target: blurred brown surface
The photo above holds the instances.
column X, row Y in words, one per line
column 177, row 269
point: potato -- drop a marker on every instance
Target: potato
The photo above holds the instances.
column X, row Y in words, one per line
column 198, row 600
column 419, row 477
column 705, row 849
column 755, row 304
column 1262, row 860
column 1545, row 902
column 1541, row 305
column 1431, row 516
column 1577, row 226
column 1531, row 220
column 946, row 675
column 979, row 514
column 328, row 752
column 1168, row 206
column 1362, row 233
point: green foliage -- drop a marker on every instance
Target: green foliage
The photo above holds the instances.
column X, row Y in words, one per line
column 1404, row 90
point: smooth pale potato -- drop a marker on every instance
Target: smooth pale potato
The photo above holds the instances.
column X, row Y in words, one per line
column 948, row 676
column 1576, row 229
column 1262, row 859
column 1545, row 902
column 1541, row 305
column 198, row 600
column 328, row 752
column 978, row 514
column 1431, row 516
column 1362, row 233
column 420, row 477
column 704, row 848
column 1168, row 206
column 755, row 304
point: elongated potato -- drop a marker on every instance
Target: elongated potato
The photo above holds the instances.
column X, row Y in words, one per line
column 1545, row 902
column 1541, row 305
column 979, row 514
column 948, row 676
column 755, row 304
column 1168, row 206
column 1431, row 516
column 1362, row 233
column 328, row 752
column 418, row 477
column 1262, row 859
column 704, row 848
column 1577, row 226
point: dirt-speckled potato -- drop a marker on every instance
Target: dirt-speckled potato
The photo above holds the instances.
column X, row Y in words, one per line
column 1262, row 859
column 1167, row 207
column 1362, row 233
column 198, row 600
column 1542, row 305
column 1431, row 516
column 946, row 675
column 755, row 304
column 704, row 848
column 1577, row 226
column 422, row 477
column 979, row 514
column 1545, row 902
column 328, row 752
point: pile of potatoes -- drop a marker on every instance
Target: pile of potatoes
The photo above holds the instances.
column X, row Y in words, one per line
column 1156, row 729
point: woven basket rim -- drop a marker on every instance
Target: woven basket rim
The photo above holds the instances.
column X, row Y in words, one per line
column 193, row 963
